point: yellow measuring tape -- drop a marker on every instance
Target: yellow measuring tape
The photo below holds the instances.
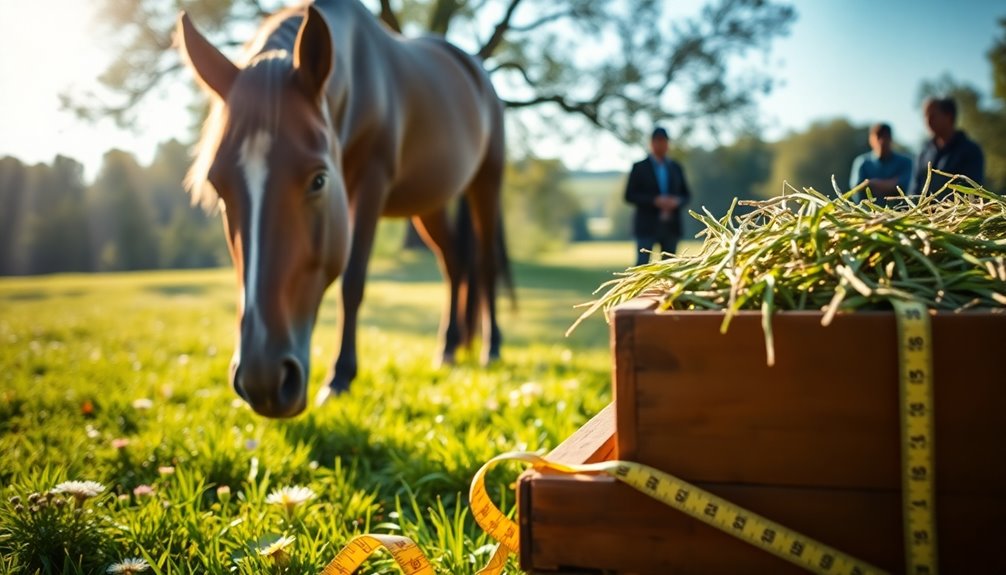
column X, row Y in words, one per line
column 405, row 551
column 812, row 555
column 918, row 484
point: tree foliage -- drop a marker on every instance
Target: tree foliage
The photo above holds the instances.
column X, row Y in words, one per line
column 541, row 213
column 131, row 217
column 984, row 119
column 812, row 158
column 619, row 64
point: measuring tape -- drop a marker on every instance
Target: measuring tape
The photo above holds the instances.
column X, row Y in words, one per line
column 683, row 496
column 405, row 551
column 672, row 491
column 918, row 485
column 810, row 554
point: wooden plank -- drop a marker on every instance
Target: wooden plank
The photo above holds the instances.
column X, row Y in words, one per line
column 594, row 441
column 623, row 332
column 708, row 408
column 580, row 523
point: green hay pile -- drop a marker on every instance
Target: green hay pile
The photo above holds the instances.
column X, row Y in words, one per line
column 806, row 251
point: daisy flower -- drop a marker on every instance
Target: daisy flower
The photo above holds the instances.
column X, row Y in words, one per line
column 277, row 549
column 128, row 567
column 80, row 490
column 290, row 497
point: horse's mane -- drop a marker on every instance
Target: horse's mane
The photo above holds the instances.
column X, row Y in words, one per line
column 265, row 63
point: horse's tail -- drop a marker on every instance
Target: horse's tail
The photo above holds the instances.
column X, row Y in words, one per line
column 503, row 262
column 467, row 243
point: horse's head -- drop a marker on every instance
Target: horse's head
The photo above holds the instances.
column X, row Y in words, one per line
column 269, row 157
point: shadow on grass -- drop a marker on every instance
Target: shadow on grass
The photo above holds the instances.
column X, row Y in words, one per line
column 544, row 308
column 40, row 295
column 176, row 290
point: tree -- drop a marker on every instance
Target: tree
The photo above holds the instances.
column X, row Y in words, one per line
column 615, row 65
column 123, row 236
column 187, row 236
column 55, row 233
column 13, row 191
column 983, row 120
column 621, row 65
column 542, row 214
column 811, row 158
column 719, row 175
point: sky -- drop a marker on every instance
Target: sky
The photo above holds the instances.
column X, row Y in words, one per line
column 859, row 59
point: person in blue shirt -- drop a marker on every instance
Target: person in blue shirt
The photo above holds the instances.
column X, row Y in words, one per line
column 950, row 150
column 659, row 191
column 883, row 169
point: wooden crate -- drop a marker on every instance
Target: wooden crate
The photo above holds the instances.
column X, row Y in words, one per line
column 812, row 442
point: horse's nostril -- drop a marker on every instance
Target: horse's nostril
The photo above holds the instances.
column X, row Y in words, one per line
column 291, row 380
column 236, row 381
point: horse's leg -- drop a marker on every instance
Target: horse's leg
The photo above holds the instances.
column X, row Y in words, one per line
column 484, row 201
column 365, row 217
column 435, row 231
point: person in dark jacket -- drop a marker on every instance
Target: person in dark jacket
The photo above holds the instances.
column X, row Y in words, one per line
column 658, row 190
column 950, row 150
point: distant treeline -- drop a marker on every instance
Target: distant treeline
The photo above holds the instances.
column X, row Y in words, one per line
column 131, row 217
column 138, row 217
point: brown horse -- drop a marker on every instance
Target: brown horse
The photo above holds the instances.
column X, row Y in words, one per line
column 327, row 123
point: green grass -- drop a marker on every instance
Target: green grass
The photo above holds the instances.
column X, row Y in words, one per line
column 393, row 456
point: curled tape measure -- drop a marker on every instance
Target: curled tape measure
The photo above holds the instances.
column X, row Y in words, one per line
column 404, row 550
column 918, row 490
column 683, row 496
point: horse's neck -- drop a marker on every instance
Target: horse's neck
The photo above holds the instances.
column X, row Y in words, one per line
column 364, row 54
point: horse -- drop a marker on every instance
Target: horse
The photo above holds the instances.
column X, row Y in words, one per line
column 325, row 123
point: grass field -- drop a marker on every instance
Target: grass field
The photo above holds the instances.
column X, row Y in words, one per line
column 122, row 380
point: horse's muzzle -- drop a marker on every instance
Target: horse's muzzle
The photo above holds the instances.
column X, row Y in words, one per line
column 276, row 388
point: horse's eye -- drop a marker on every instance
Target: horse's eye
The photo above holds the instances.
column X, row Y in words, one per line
column 318, row 183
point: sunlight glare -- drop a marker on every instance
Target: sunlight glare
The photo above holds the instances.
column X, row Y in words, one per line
column 45, row 49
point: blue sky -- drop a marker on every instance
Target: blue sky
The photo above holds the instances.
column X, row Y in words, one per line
column 865, row 59
column 858, row 59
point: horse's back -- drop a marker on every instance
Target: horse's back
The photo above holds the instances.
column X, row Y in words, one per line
column 453, row 123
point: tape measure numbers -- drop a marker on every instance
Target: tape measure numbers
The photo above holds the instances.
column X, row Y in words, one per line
column 915, row 387
column 768, row 535
column 917, row 433
column 405, row 551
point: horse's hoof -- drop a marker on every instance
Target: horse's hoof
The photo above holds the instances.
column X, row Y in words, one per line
column 445, row 360
column 490, row 359
column 328, row 393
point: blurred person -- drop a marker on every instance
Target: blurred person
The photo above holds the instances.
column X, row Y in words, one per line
column 950, row 150
column 883, row 169
column 658, row 190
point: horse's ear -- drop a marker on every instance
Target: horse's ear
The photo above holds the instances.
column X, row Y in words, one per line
column 213, row 70
column 312, row 54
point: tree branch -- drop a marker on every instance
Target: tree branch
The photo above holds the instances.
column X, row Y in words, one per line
column 542, row 21
column 499, row 31
column 91, row 112
column 516, row 66
column 389, row 17
column 587, row 109
column 441, row 15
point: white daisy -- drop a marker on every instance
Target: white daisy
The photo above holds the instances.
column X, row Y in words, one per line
column 277, row 549
column 128, row 567
column 290, row 497
column 80, row 490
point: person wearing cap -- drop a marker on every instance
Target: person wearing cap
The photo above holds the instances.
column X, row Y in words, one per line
column 883, row 169
column 658, row 190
